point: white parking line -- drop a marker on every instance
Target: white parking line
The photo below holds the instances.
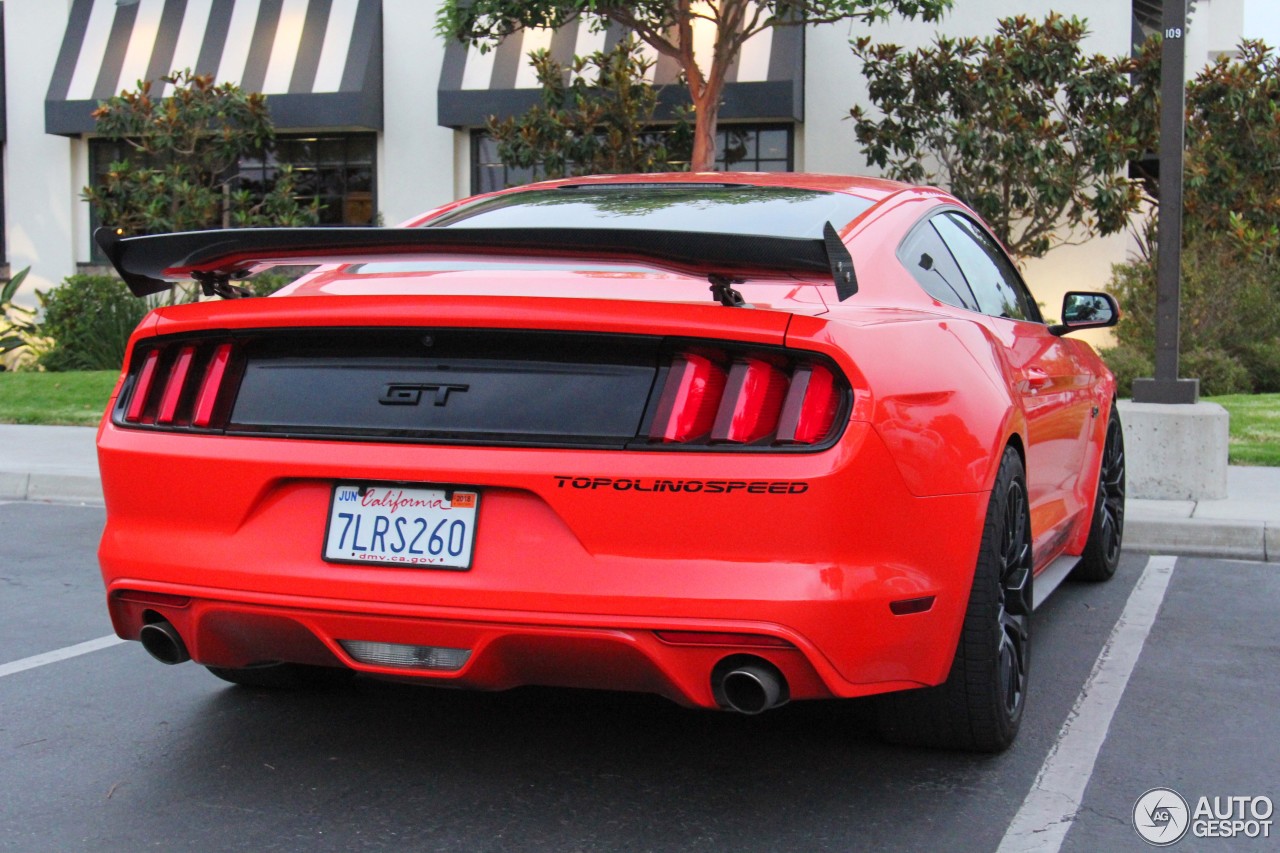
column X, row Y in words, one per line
column 1051, row 805
column 59, row 654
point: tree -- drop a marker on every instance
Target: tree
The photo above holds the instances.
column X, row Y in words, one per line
column 186, row 152
column 1230, row 277
column 667, row 26
column 598, row 126
column 1232, row 177
column 1022, row 126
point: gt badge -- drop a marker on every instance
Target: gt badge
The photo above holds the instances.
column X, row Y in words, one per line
column 410, row 394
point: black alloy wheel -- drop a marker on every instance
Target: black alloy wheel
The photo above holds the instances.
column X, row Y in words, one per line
column 1106, row 532
column 979, row 707
column 1014, row 618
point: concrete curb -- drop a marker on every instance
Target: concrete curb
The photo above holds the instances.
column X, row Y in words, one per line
column 1204, row 537
column 50, row 488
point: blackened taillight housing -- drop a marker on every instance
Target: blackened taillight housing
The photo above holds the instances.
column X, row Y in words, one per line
column 749, row 399
column 184, row 385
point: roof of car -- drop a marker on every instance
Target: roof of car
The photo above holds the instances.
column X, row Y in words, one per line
column 872, row 189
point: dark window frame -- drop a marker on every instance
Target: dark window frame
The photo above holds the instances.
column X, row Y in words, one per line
column 991, row 248
column 104, row 151
column 503, row 176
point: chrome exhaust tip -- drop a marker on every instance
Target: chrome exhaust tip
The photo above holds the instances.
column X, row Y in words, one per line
column 162, row 642
column 750, row 688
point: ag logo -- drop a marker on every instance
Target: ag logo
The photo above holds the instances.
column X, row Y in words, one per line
column 1161, row 817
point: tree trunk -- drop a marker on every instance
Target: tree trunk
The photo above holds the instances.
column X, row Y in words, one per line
column 704, row 133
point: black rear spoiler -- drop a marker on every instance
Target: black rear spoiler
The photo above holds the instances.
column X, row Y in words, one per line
column 150, row 264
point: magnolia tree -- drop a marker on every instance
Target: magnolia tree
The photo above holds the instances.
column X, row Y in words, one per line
column 599, row 123
column 1023, row 126
column 186, row 149
column 668, row 27
column 1229, row 326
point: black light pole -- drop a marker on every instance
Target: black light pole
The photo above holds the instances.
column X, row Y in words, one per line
column 1166, row 387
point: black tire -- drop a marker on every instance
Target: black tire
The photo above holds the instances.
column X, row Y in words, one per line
column 1106, row 529
column 286, row 676
column 979, row 707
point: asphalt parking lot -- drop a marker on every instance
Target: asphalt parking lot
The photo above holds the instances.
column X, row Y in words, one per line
column 1164, row 677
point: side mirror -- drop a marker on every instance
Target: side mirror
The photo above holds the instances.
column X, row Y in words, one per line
column 1086, row 311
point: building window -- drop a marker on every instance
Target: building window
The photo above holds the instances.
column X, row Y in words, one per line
column 489, row 173
column 338, row 169
column 754, row 148
column 739, row 148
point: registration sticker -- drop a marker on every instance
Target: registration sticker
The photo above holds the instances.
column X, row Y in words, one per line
column 431, row 527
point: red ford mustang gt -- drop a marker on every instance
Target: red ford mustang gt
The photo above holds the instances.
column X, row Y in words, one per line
column 732, row 439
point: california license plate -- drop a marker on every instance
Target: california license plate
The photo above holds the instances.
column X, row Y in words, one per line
column 401, row 525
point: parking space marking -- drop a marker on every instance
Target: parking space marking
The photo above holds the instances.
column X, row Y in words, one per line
column 1051, row 805
column 59, row 655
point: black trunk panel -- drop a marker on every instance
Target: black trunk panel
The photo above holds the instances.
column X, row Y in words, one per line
column 451, row 386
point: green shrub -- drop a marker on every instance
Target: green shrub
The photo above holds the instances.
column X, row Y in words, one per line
column 1219, row 372
column 1262, row 360
column 1127, row 363
column 1228, row 316
column 90, row 319
column 267, row 283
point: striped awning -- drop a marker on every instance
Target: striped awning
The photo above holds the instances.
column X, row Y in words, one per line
column 318, row 61
column 766, row 82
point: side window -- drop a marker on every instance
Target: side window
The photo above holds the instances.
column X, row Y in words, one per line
column 994, row 280
column 930, row 262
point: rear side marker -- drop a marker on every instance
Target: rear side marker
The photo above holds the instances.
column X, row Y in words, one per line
column 907, row 606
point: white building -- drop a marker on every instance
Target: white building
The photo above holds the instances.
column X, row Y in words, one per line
column 381, row 117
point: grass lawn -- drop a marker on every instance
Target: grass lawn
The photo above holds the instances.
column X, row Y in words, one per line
column 72, row 398
column 79, row 398
column 1255, row 428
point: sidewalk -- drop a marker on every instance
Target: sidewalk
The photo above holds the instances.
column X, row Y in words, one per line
column 59, row 464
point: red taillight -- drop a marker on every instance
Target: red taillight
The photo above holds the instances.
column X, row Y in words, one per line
column 179, row 385
column 173, row 388
column 759, row 400
column 687, row 408
column 810, row 408
column 212, row 384
column 142, row 387
column 752, row 402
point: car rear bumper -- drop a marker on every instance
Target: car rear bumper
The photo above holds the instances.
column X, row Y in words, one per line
column 570, row 584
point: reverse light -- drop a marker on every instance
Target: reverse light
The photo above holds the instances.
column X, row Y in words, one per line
column 411, row 657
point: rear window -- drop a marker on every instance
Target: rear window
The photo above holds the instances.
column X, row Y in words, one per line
column 706, row 208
